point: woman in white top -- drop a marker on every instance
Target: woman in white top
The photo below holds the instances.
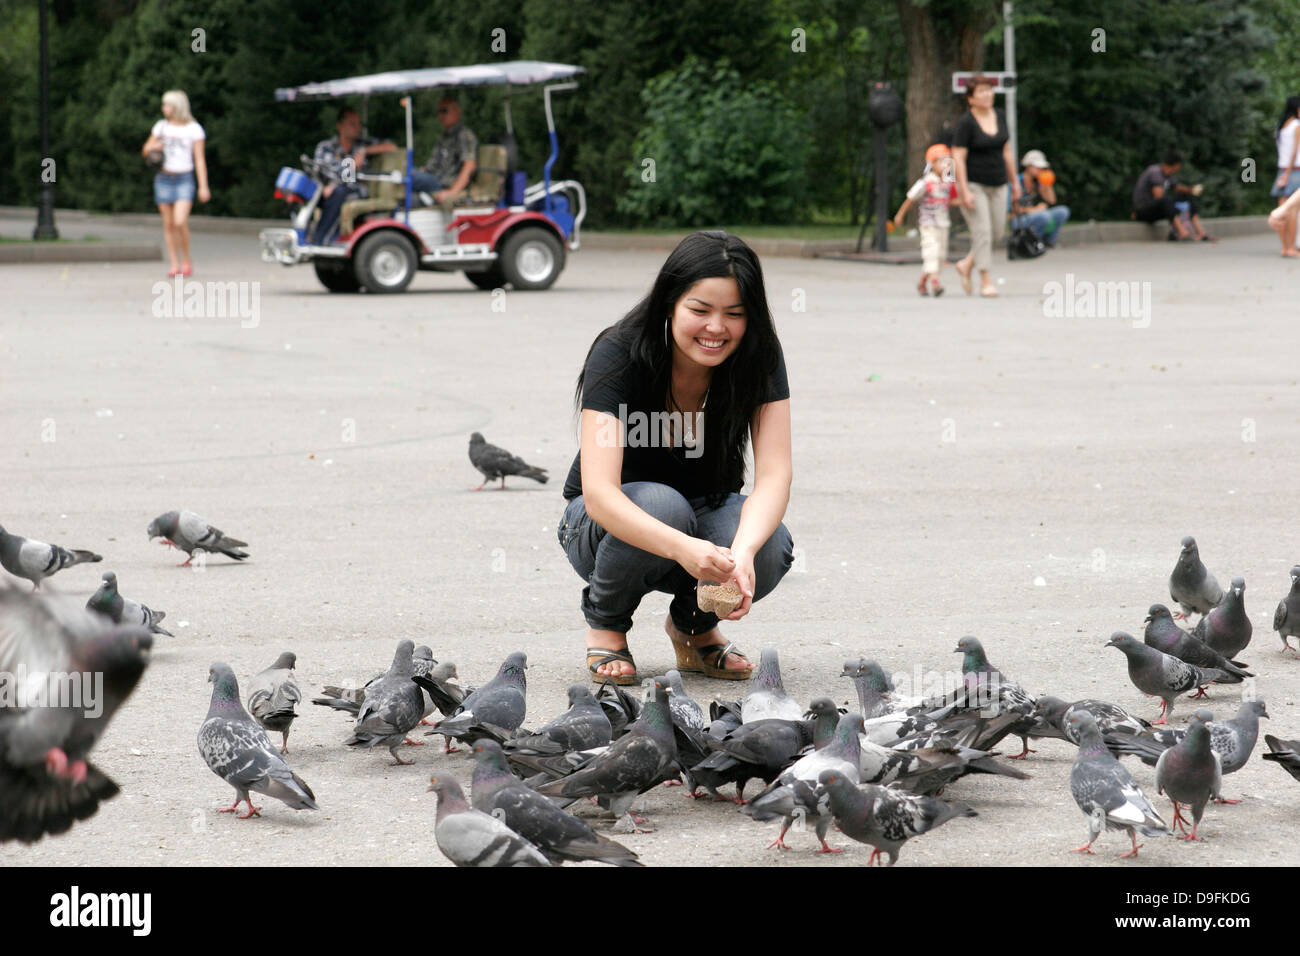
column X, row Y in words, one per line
column 1288, row 170
column 180, row 139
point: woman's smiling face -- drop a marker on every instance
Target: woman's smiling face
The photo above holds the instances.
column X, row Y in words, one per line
column 709, row 321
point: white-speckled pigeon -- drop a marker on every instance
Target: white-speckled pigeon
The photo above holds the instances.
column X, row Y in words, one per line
column 1189, row 772
column 1227, row 628
column 186, row 531
column 273, row 695
column 990, row 691
column 1053, row 719
column 1164, row 635
column 46, row 784
column 1159, row 674
column 36, row 560
column 392, row 707
column 470, row 837
column 767, row 699
column 1191, row 585
column 238, row 751
column 883, row 819
column 108, row 602
column 1105, row 791
column 1286, row 619
column 583, row 726
column 493, row 462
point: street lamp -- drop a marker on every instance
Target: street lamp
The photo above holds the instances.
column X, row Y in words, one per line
column 884, row 109
column 45, row 203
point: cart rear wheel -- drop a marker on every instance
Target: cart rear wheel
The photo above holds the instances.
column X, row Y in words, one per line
column 336, row 275
column 532, row 258
column 385, row 262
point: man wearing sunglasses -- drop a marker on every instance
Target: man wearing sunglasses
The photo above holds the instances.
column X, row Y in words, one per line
column 454, row 157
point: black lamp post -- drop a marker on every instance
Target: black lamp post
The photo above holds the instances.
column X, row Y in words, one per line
column 884, row 109
column 45, row 204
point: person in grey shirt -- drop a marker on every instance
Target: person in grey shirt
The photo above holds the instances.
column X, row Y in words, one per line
column 1154, row 199
column 454, row 157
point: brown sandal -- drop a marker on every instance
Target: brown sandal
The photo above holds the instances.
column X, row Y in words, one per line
column 709, row 661
column 607, row 655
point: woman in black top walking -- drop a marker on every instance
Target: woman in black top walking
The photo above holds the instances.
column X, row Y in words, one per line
column 981, row 153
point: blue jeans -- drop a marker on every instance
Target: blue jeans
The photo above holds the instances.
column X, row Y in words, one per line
column 330, row 209
column 1047, row 223
column 173, row 187
column 422, row 182
column 619, row 575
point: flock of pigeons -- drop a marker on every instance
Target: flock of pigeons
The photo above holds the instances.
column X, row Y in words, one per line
column 875, row 774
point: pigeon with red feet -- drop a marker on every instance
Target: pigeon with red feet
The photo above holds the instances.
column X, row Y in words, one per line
column 1105, row 791
column 1158, row 674
column 187, row 532
column 1227, row 628
column 470, row 837
column 882, row 818
column 392, row 707
column 1189, row 773
column 493, row 462
column 992, row 692
column 273, row 697
column 1164, row 635
column 1286, row 619
column 495, row 710
column 1191, row 585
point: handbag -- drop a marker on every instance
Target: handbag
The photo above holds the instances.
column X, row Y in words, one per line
column 1023, row 243
column 154, row 159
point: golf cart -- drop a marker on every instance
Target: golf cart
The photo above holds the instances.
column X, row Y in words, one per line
column 499, row 230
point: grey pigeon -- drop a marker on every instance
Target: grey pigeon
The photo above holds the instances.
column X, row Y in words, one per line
column 392, row 707
column 763, row 749
column 1227, row 627
column 108, row 602
column 470, row 837
column 349, row 699
column 498, row 706
column 876, row 695
column 642, row 758
column 1053, row 715
column 1286, row 619
column 1285, row 753
column 186, row 531
column 273, row 695
column 994, row 692
column 1191, row 586
column 1158, row 674
column 685, row 710
column 559, row 835
column 767, row 699
column 36, row 560
column 494, row 462
column 793, row 795
column 238, row 751
column 46, row 783
column 884, row 819
column 1105, row 791
column 1164, row 635
column 1189, row 773
column 583, row 726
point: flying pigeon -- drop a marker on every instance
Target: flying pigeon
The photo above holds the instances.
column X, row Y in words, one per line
column 882, row 818
column 273, row 694
column 994, row 691
column 494, row 462
column 494, row 709
column 392, row 707
column 238, row 751
column 1227, row 627
column 1286, row 619
column 473, row 838
column 642, row 758
column 1164, row 635
column 583, row 726
column 1158, row 674
column 559, row 835
column 1285, row 753
column 36, row 560
column 107, row 601
column 186, row 531
column 46, row 783
column 1104, row 790
column 767, row 699
column 1189, row 773
column 1192, row 586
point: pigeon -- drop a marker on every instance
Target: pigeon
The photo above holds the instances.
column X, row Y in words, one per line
column 559, row 835
column 392, row 707
column 876, row 696
column 1191, row 586
column 1286, row 619
column 763, row 749
column 623, row 708
column 493, row 462
column 1285, row 753
column 1104, row 790
column 1227, row 628
column 272, row 696
column 583, row 726
column 641, row 759
column 36, row 560
column 107, row 601
column 1164, row 635
column 1158, row 674
column 883, row 819
column 792, row 796
column 348, row 699
column 1189, row 772
column 686, row 712
column 1233, row 740
column 238, row 751
column 186, row 531
column 494, row 709
column 767, row 699
column 1053, row 719
column 994, row 691
column 46, row 782
column 470, row 837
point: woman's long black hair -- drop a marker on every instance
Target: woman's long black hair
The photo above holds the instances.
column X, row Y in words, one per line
column 1292, row 108
column 739, row 385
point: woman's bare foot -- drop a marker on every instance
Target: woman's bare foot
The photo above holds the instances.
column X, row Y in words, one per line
column 735, row 661
column 964, row 273
column 610, row 641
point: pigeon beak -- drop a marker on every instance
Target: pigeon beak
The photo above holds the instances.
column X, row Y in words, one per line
column 1111, row 643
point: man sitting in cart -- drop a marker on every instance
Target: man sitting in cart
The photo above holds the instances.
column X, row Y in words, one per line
column 330, row 157
column 454, row 158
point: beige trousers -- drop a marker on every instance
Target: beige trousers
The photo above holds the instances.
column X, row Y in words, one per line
column 987, row 222
column 934, row 248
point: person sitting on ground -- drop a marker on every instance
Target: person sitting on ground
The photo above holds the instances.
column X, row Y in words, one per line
column 340, row 183
column 454, row 157
column 1154, row 199
column 932, row 194
column 1037, row 206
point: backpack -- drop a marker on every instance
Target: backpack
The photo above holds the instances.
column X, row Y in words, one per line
column 1023, row 243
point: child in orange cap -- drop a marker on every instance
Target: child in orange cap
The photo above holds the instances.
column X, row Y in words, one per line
column 932, row 194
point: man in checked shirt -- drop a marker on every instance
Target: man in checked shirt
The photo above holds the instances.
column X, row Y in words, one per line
column 454, row 158
column 340, row 183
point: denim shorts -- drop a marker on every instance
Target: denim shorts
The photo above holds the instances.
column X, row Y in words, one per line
column 1291, row 185
column 173, row 187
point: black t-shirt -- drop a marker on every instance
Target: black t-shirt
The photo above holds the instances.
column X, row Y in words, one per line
column 604, row 390
column 984, row 163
